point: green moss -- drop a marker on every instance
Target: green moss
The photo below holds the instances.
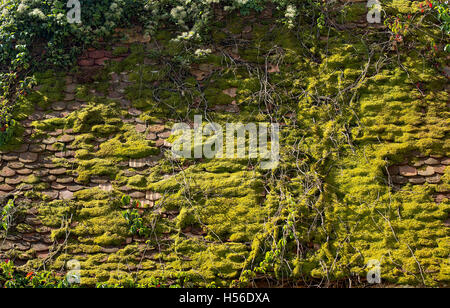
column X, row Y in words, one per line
column 54, row 213
column 50, row 124
column 32, row 179
column 128, row 145
column 187, row 217
column 352, row 13
column 405, row 7
column 120, row 50
column 24, row 228
column 137, row 181
column 149, row 73
column 108, row 239
column 83, row 93
column 83, row 120
column 104, row 130
column 51, row 89
column 217, row 97
column 96, row 167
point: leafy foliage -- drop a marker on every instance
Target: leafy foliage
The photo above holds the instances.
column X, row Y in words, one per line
column 443, row 13
column 133, row 218
column 10, row 277
column 7, row 214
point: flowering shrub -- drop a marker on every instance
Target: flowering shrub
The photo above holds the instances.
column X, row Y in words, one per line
column 427, row 16
column 195, row 15
column 36, row 34
column 10, row 277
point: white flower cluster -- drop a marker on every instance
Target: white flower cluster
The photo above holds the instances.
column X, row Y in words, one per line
column 241, row 2
column 202, row 52
column 187, row 36
column 22, row 8
column 291, row 13
column 195, row 15
column 37, row 13
column 60, row 17
column 179, row 14
column 25, row 6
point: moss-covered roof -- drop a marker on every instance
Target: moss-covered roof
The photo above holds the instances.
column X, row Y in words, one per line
column 363, row 162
